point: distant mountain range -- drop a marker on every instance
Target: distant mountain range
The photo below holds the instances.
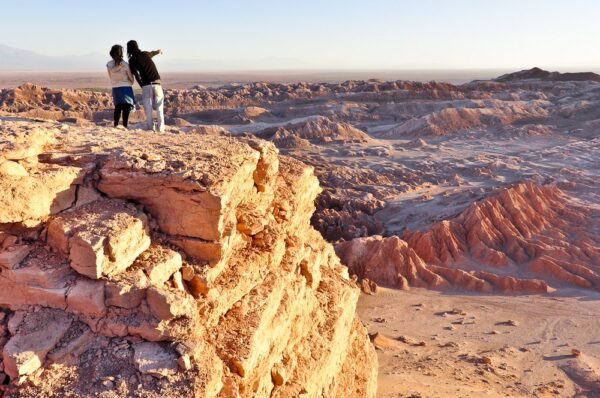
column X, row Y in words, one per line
column 25, row 60
column 17, row 59
column 540, row 74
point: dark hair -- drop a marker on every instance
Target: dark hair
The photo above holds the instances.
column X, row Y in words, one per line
column 116, row 52
column 132, row 48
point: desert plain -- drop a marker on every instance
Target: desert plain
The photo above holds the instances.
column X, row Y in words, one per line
column 467, row 214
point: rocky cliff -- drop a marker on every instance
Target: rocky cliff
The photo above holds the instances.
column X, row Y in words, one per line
column 168, row 265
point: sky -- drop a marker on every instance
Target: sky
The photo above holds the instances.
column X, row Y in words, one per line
column 319, row 34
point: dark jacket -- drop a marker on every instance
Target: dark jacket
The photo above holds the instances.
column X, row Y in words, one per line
column 143, row 68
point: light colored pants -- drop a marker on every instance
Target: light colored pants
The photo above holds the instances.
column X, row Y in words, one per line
column 154, row 98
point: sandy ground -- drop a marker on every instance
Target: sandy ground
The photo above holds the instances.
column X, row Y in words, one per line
column 461, row 345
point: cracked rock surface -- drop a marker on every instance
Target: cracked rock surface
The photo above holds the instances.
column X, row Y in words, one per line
column 168, row 265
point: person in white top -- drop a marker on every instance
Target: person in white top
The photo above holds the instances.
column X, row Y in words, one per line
column 122, row 82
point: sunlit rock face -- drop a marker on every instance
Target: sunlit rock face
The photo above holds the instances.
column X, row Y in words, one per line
column 172, row 265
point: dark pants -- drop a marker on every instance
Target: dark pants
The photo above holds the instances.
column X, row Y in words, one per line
column 125, row 109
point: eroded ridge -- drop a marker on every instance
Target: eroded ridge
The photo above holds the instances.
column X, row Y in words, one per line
column 169, row 265
column 526, row 238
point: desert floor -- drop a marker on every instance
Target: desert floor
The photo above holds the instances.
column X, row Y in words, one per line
column 436, row 344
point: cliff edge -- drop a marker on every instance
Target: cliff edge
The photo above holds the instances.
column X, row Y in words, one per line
column 164, row 265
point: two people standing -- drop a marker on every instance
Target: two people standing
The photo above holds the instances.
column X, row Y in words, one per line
column 142, row 68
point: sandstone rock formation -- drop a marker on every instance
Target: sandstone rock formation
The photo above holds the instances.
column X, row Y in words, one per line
column 231, row 104
column 499, row 244
column 390, row 156
column 321, row 130
column 169, row 265
column 35, row 101
column 452, row 120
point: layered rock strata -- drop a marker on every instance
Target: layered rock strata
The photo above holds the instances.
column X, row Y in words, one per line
column 170, row 265
column 525, row 238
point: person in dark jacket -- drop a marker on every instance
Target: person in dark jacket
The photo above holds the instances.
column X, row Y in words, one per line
column 145, row 73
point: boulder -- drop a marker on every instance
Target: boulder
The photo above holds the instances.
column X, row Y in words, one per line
column 160, row 263
column 101, row 238
column 37, row 335
column 51, row 189
column 167, row 304
column 127, row 290
column 12, row 169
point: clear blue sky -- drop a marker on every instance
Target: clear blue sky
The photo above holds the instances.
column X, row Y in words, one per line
column 320, row 33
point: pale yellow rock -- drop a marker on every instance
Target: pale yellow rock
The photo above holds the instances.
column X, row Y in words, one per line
column 101, row 238
column 12, row 169
column 184, row 362
column 26, row 143
column 178, row 281
column 183, row 207
column 49, row 190
column 262, row 307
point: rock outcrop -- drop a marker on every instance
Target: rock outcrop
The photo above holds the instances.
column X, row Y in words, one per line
column 169, row 265
column 540, row 74
column 453, row 120
column 318, row 131
column 498, row 244
column 230, row 104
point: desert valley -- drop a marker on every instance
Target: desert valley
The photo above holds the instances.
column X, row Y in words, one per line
column 345, row 239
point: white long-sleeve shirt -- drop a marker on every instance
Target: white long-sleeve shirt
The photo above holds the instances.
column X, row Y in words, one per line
column 120, row 75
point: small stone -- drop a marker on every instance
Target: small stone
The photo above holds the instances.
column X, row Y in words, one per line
column 450, row 344
column 168, row 304
column 575, row 352
column 184, row 362
column 178, row 281
column 187, row 273
column 181, row 349
column 277, row 377
column 198, row 287
column 238, row 366
column 486, row 360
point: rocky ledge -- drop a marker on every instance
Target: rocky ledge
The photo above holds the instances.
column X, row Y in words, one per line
column 139, row 264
